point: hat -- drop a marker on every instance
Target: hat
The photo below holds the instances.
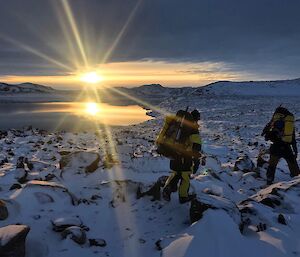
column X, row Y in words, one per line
column 196, row 114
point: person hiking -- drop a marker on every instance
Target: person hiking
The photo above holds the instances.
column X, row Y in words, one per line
column 185, row 159
column 281, row 132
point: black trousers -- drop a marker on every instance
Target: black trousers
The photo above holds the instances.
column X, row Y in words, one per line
column 278, row 151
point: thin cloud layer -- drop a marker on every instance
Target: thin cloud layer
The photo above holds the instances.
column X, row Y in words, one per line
column 259, row 37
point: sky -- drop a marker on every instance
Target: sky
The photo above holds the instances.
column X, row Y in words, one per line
column 135, row 42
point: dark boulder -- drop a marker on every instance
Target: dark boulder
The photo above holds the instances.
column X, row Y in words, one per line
column 3, row 210
column 196, row 210
column 244, row 163
column 77, row 234
column 97, row 242
column 12, row 240
column 281, row 219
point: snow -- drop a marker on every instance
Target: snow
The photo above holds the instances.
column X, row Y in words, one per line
column 253, row 88
column 217, row 235
column 104, row 202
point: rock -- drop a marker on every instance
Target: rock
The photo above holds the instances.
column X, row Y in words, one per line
column 3, row 210
column 261, row 227
column 20, row 163
column 3, row 160
column 261, row 162
column 244, row 163
column 75, row 233
column 56, row 190
column 109, row 161
column 281, row 219
column 12, row 240
column 49, row 177
column 154, row 190
column 158, row 245
column 142, row 241
column 63, row 153
column 15, row 186
column 271, row 201
column 3, row 134
column 274, row 198
column 21, row 175
column 61, row 224
column 196, row 210
column 97, row 242
column 29, row 164
column 95, row 197
column 121, row 189
column 204, row 202
column 43, row 198
column 88, row 161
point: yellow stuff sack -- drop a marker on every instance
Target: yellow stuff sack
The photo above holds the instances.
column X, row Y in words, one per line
column 284, row 126
column 167, row 142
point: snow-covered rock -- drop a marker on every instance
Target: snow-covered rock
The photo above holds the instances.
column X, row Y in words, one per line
column 244, row 163
column 60, row 224
column 78, row 161
column 12, row 240
column 75, row 233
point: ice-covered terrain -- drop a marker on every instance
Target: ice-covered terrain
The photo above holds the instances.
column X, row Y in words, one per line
column 78, row 192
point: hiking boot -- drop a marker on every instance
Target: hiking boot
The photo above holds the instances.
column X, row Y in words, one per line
column 187, row 199
column 166, row 194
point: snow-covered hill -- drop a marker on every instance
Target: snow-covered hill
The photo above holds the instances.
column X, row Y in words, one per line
column 78, row 192
column 24, row 88
column 254, row 88
column 154, row 93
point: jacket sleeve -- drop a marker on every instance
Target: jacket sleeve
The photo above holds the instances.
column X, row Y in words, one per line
column 196, row 141
column 266, row 128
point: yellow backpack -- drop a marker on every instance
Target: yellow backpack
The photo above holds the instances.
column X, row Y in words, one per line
column 283, row 124
column 174, row 137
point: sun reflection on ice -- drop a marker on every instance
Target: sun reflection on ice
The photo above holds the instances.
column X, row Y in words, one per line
column 92, row 108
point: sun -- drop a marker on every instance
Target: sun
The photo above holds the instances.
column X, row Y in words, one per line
column 92, row 108
column 91, row 77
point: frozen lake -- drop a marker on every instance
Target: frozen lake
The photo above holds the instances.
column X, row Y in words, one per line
column 69, row 116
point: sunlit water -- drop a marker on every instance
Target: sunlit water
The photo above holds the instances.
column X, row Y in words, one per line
column 69, row 116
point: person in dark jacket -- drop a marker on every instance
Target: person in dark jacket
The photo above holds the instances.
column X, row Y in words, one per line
column 184, row 165
column 281, row 131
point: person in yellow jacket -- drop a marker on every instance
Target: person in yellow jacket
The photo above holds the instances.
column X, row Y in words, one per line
column 184, row 165
column 281, row 131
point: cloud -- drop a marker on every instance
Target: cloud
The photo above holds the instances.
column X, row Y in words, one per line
column 259, row 37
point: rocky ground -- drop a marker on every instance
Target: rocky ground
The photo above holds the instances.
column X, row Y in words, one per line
column 76, row 194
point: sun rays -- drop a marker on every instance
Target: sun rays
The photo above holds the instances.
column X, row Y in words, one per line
column 88, row 74
column 91, row 77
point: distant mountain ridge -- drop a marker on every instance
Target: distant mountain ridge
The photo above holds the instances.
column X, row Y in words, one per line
column 6, row 88
column 252, row 88
column 157, row 93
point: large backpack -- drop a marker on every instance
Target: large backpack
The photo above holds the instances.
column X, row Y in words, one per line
column 282, row 126
column 173, row 139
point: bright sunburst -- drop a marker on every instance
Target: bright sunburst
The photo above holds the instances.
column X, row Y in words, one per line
column 91, row 77
column 92, row 108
